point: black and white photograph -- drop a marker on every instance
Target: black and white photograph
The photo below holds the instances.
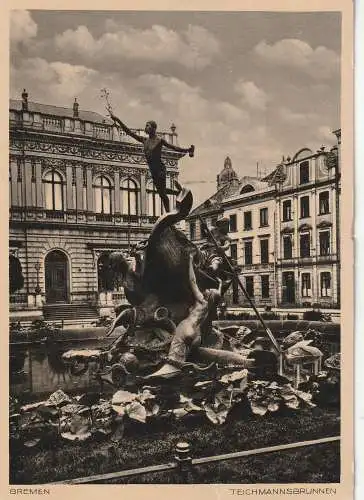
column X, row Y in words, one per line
column 175, row 248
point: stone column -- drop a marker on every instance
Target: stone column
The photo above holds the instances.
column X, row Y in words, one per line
column 14, row 182
column 116, row 203
column 38, row 184
column 28, row 183
column 69, row 197
column 79, row 188
column 90, row 198
column 143, row 195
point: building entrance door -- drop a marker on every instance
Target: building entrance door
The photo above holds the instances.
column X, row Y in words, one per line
column 288, row 286
column 56, row 277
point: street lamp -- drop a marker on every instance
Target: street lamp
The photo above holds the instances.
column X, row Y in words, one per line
column 37, row 288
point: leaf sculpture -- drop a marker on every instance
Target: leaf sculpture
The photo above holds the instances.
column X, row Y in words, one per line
column 136, row 411
column 75, row 422
column 58, row 398
column 102, row 417
column 268, row 397
column 186, row 406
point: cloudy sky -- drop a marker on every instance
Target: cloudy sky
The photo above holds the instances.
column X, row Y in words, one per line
column 254, row 86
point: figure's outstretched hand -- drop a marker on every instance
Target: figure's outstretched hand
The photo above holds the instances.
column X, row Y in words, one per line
column 191, row 151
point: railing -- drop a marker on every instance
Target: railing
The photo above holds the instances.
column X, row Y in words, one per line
column 96, row 130
column 183, row 463
column 104, row 217
column 18, row 298
column 54, row 214
column 33, row 214
column 253, row 267
column 308, row 259
column 131, row 218
column 118, row 296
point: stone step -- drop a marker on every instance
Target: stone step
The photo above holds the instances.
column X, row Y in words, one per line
column 56, row 312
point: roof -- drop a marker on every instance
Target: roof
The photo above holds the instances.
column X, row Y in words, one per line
column 213, row 203
column 60, row 111
column 277, row 176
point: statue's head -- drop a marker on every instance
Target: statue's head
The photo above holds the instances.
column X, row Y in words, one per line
column 223, row 224
column 150, row 127
column 118, row 263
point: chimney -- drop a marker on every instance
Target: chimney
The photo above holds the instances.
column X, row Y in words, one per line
column 24, row 104
column 75, row 108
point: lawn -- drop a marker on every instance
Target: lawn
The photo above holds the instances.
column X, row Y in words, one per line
column 154, row 444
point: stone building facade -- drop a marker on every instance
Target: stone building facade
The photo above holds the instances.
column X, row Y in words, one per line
column 78, row 189
column 285, row 230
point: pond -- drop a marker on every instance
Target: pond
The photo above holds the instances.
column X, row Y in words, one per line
column 38, row 370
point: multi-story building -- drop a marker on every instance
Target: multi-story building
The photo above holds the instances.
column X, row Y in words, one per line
column 284, row 230
column 78, row 189
column 308, row 225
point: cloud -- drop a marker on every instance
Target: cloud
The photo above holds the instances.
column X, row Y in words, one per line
column 22, row 26
column 324, row 132
column 319, row 63
column 251, row 94
column 55, row 81
column 294, row 118
column 193, row 48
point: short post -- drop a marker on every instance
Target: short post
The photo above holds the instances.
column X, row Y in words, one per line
column 184, row 460
column 280, row 363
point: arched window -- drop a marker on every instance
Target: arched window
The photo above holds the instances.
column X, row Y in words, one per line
column 104, row 274
column 153, row 200
column 53, row 190
column 16, row 278
column 102, row 189
column 129, row 197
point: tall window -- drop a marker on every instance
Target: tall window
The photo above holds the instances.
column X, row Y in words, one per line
column 265, row 286
column 324, row 207
column 154, row 201
column 264, row 251
column 306, row 285
column 234, row 253
column 249, row 285
column 202, row 231
column 248, row 252
column 192, row 230
column 324, row 239
column 287, row 210
column 129, row 194
column 233, row 223
column 325, row 283
column 102, row 190
column 305, row 207
column 287, row 247
column 247, row 221
column 305, row 245
column 53, row 190
column 304, row 172
column 263, row 217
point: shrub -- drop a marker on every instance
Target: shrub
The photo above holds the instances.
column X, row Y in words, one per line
column 270, row 315
column 313, row 315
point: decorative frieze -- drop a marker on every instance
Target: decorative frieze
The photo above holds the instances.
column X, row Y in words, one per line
column 84, row 152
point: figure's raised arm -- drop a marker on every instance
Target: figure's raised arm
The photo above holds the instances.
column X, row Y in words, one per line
column 190, row 150
column 195, row 290
column 126, row 129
